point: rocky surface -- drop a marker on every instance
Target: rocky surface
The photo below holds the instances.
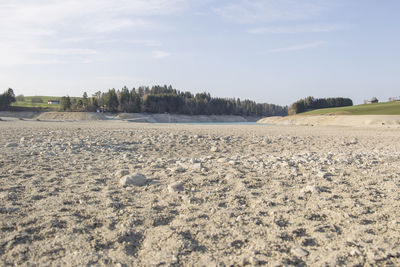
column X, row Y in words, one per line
column 209, row 195
column 335, row 120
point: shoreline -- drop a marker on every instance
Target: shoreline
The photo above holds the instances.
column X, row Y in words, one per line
column 130, row 117
column 334, row 120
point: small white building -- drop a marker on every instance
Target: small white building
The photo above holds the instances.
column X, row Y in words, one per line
column 53, row 102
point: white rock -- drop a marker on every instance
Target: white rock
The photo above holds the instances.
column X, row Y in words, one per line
column 136, row 179
column 322, row 174
column 193, row 160
column 354, row 141
column 299, row 252
column 214, row 149
column 355, row 252
column 121, row 173
column 197, row 166
column 230, row 176
column 309, row 189
column 175, row 187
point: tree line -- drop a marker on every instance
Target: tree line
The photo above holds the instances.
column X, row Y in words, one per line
column 165, row 99
column 6, row 99
column 311, row 103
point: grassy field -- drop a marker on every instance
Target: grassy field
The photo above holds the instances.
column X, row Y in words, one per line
column 28, row 102
column 387, row 108
column 43, row 105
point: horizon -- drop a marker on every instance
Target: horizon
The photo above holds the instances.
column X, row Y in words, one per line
column 267, row 51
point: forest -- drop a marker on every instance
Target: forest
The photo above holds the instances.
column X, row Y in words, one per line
column 311, row 103
column 165, row 99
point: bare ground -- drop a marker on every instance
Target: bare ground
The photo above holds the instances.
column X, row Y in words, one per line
column 250, row 195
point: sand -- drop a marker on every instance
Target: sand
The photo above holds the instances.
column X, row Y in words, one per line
column 335, row 120
column 212, row 195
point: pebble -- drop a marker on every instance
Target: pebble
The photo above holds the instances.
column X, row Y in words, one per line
column 230, row 176
column 11, row 145
column 355, row 252
column 197, row 166
column 221, row 160
column 324, row 174
column 299, row 252
column 136, row 179
column 309, row 189
column 175, row 187
column 121, row 173
column 214, row 149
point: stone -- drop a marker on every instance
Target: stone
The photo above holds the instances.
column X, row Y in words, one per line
column 175, row 187
column 136, row 179
column 325, row 175
column 299, row 252
column 310, row 189
column 214, row 149
column 230, row 176
column 354, row 141
column 121, row 173
column 197, row 166
column 355, row 252
column 194, row 160
column 177, row 169
column 11, row 145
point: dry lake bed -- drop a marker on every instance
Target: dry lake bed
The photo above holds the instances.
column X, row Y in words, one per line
column 112, row 193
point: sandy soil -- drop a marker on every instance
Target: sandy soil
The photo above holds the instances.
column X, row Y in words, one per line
column 335, row 120
column 213, row 195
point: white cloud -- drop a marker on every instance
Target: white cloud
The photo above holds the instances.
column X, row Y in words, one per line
column 297, row 29
column 34, row 29
column 150, row 43
column 160, row 54
column 256, row 11
column 295, row 47
column 64, row 52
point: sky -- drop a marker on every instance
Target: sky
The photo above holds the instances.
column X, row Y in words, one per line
column 270, row 51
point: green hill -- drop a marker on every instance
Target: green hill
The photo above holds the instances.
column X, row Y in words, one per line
column 29, row 102
column 387, row 108
column 39, row 102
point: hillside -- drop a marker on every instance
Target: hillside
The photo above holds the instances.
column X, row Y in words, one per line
column 387, row 108
column 28, row 103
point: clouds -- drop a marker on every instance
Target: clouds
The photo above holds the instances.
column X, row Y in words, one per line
column 266, row 11
column 297, row 29
column 298, row 47
column 160, row 54
column 65, row 26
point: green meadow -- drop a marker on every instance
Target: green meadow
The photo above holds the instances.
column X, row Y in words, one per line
column 387, row 108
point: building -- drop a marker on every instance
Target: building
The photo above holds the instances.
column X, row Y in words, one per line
column 373, row 100
column 53, row 102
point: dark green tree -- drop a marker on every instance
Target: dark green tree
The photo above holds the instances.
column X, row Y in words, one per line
column 65, row 103
column 6, row 99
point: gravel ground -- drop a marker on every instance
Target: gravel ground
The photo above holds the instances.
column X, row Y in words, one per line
column 126, row 194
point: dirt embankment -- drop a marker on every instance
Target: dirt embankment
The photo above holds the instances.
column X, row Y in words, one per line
column 131, row 117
